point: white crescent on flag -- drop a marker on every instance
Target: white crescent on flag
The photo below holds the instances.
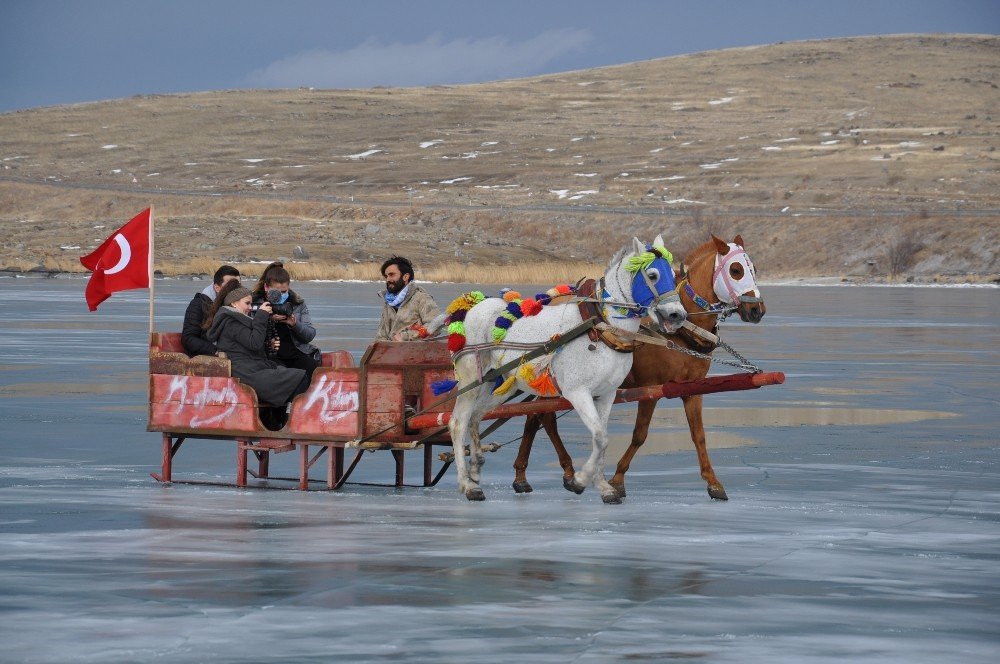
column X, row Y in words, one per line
column 126, row 251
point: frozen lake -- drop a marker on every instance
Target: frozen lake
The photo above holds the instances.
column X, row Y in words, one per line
column 863, row 523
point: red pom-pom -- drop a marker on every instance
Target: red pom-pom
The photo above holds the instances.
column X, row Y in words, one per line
column 530, row 307
column 456, row 342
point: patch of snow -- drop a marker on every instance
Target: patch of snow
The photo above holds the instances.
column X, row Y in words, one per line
column 576, row 138
column 786, row 140
column 580, row 194
column 624, row 175
column 655, row 150
column 771, row 148
column 910, row 144
column 67, row 247
column 785, row 209
column 709, row 167
column 585, row 175
column 427, row 144
column 676, row 177
column 109, row 146
column 488, row 143
column 550, row 149
column 116, row 170
column 731, row 159
column 20, row 156
column 724, row 100
column 832, row 142
column 674, row 201
column 151, row 175
column 190, row 163
column 252, row 161
column 454, row 180
column 561, row 193
column 362, row 155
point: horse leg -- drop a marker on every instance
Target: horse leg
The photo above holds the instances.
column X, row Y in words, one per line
column 692, row 408
column 594, row 412
column 458, row 427
column 565, row 460
column 639, row 434
column 531, row 425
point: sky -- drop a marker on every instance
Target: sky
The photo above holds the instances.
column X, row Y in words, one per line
column 69, row 51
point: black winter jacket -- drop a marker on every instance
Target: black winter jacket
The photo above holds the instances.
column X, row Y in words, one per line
column 193, row 337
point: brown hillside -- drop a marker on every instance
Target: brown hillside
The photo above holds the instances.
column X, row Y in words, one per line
column 825, row 155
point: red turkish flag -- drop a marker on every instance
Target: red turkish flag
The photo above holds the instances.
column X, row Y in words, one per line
column 121, row 263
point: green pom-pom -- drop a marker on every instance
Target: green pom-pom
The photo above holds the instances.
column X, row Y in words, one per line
column 476, row 296
column 458, row 327
column 498, row 334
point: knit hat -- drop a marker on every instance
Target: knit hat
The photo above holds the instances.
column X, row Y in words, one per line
column 236, row 294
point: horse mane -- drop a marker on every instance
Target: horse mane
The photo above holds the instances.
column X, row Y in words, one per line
column 619, row 256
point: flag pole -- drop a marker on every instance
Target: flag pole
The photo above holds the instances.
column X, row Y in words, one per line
column 152, row 290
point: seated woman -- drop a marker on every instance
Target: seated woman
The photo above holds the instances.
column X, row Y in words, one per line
column 290, row 320
column 242, row 337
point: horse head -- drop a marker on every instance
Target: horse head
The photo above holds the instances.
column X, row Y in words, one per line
column 652, row 285
column 734, row 280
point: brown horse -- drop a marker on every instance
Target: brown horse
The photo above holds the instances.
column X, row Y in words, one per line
column 718, row 276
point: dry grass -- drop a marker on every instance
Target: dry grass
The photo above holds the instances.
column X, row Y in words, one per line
column 815, row 151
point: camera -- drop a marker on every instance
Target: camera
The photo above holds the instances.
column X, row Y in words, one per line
column 278, row 308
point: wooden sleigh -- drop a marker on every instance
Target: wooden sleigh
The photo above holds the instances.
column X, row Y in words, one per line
column 384, row 403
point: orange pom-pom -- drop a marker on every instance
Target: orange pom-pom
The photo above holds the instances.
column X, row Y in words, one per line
column 544, row 385
column 530, row 307
column 510, row 296
column 563, row 289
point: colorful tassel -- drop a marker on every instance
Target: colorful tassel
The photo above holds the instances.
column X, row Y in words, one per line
column 526, row 373
column 544, row 385
column 440, row 387
column 505, row 386
column 530, row 307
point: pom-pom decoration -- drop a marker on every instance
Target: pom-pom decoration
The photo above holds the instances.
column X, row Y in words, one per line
column 440, row 387
column 505, row 386
column 544, row 384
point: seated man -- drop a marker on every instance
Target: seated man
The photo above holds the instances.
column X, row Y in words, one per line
column 290, row 323
column 407, row 308
column 193, row 336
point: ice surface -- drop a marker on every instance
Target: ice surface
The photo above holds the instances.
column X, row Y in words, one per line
column 861, row 527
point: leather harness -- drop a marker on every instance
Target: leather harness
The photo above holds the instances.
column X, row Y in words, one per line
column 589, row 308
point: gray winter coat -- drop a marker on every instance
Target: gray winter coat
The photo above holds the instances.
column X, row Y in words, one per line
column 242, row 339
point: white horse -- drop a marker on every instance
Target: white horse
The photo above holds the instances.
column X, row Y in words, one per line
column 639, row 281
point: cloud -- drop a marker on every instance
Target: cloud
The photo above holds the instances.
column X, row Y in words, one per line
column 430, row 62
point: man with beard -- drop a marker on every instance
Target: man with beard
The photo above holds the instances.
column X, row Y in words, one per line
column 407, row 307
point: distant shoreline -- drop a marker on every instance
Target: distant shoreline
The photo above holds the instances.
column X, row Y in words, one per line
column 807, row 282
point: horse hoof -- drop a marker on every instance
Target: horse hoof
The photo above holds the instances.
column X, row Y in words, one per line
column 571, row 485
column 717, row 492
column 620, row 488
column 522, row 487
column 475, row 494
column 611, row 498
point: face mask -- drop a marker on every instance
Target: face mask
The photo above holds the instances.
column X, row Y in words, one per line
column 284, row 298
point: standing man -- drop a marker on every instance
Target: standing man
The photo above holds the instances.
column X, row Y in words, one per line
column 192, row 335
column 407, row 307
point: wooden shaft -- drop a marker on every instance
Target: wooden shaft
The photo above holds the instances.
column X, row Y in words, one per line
column 678, row 388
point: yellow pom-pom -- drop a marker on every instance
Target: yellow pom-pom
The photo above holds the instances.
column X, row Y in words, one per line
column 527, row 372
column 506, row 385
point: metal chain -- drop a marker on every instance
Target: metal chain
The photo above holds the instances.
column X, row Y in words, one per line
column 744, row 363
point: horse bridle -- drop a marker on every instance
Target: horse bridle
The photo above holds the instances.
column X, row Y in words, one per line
column 720, row 307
